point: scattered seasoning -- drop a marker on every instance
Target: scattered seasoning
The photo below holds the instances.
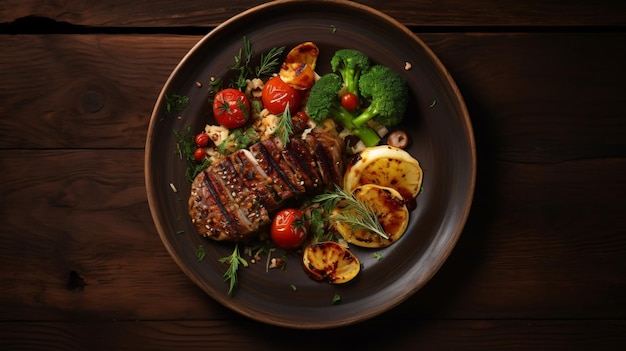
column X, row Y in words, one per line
column 378, row 256
column 407, row 66
column 432, row 104
column 173, row 187
column 200, row 253
column 199, row 84
column 180, row 232
column 336, row 299
column 293, row 287
column 333, row 28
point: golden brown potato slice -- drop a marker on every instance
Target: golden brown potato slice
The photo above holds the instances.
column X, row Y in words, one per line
column 390, row 210
column 387, row 166
column 330, row 261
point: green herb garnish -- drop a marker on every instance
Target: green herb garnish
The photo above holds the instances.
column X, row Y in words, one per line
column 200, row 253
column 233, row 261
column 243, row 62
column 336, row 298
column 284, row 127
column 185, row 146
column 356, row 213
column 175, row 103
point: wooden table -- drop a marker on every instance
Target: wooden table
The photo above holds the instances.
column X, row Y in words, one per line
column 540, row 265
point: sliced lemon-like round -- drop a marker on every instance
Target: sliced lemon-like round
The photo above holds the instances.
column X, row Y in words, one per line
column 390, row 210
column 386, row 166
column 330, row 261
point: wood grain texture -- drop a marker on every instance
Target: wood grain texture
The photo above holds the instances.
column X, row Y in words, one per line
column 483, row 335
column 540, row 264
column 167, row 13
column 511, row 82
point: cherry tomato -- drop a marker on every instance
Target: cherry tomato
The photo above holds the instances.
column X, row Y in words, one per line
column 202, row 139
column 349, row 101
column 199, row 154
column 300, row 120
column 288, row 229
column 231, row 108
column 277, row 94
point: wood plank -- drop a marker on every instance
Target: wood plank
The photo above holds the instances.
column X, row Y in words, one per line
column 542, row 241
column 81, row 217
column 483, row 335
column 511, row 83
column 163, row 13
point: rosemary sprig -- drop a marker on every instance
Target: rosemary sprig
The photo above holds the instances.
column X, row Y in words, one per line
column 356, row 213
column 243, row 64
column 233, row 260
column 284, row 127
column 269, row 62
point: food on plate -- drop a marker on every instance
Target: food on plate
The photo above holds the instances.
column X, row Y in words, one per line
column 387, row 166
column 388, row 96
column 298, row 69
column 275, row 164
column 350, row 64
column 289, row 228
column 324, row 103
column 390, row 210
column 231, row 108
column 277, row 95
column 235, row 196
column 331, row 262
column 399, row 139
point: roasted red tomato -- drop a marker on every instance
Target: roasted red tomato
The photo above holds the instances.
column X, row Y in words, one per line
column 289, row 230
column 277, row 94
column 231, row 108
column 349, row 101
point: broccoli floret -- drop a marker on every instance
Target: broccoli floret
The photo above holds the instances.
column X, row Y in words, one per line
column 350, row 64
column 389, row 95
column 324, row 102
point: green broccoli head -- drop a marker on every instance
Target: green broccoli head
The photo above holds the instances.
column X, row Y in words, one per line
column 350, row 64
column 323, row 102
column 323, row 97
column 389, row 95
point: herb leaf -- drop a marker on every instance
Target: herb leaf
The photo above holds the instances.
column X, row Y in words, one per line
column 175, row 103
column 269, row 62
column 284, row 127
column 356, row 213
column 234, row 261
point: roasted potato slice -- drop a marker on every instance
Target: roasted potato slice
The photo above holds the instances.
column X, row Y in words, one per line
column 298, row 69
column 390, row 210
column 330, row 261
column 386, row 166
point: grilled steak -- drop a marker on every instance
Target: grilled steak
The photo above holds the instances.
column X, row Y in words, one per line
column 235, row 197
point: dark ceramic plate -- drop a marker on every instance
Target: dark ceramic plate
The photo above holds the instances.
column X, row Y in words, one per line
column 437, row 122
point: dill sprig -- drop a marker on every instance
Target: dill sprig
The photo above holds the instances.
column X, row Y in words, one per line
column 356, row 213
column 233, row 260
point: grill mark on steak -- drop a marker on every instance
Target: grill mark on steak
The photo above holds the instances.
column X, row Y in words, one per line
column 256, row 179
column 242, row 195
column 234, row 197
column 274, row 148
column 220, row 205
column 284, row 188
